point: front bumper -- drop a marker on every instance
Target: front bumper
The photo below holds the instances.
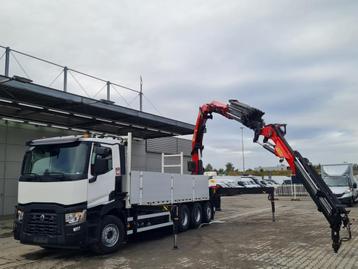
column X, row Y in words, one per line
column 68, row 238
column 345, row 200
column 51, row 231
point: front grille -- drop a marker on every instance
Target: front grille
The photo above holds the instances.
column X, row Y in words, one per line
column 339, row 195
column 42, row 224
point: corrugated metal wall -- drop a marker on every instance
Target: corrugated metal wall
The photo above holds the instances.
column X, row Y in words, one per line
column 13, row 136
column 169, row 145
column 147, row 153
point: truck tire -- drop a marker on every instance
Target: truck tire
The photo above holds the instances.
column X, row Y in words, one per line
column 208, row 212
column 196, row 215
column 184, row 218
column 111, row 236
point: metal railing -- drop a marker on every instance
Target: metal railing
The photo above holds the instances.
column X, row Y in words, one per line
column 292, row 190
column 180, row 165
column 11, row 57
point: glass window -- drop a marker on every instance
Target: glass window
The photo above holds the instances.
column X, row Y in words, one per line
column 107, row 157
column 58, row 161
column 336, row 181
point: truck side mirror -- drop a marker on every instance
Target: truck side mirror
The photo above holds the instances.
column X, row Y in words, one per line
column 354, row 185
column 102, row 151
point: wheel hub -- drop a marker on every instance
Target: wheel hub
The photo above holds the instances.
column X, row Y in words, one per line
column 208, row 212
column 110, row 235
column 198, row 216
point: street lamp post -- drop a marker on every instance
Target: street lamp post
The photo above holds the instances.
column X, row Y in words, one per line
column 242, row 149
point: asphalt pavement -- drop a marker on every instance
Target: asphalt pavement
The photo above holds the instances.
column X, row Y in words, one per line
column 242, row 236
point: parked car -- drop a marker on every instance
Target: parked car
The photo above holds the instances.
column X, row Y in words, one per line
column 268, row 183
column 225, row 182
column 247, row 182
column 273, row 182
column 256, row 180
column 340, row 179
column 222, row 185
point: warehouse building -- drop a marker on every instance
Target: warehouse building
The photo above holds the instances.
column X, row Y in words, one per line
column 29, row 111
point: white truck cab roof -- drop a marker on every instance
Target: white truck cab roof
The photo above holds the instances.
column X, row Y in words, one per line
column 74, row 138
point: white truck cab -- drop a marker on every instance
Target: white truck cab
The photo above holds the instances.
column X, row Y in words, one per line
column 80, row 191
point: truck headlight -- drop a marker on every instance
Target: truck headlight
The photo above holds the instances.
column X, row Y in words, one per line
column 347, row 191
column 75, row 217
column 19, row 215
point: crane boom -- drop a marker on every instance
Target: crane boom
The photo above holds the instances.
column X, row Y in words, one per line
column 273, row 140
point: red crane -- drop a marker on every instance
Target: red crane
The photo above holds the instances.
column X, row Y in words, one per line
column 274, row 141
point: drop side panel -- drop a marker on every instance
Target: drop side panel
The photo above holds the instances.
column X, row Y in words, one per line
column 154, row 188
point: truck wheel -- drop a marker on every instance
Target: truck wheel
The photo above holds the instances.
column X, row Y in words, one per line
column 196, row 215
column 208, row 213
column 184, row 218
column 111, row 236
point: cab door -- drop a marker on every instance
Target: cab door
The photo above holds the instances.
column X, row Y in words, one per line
column 101, row 180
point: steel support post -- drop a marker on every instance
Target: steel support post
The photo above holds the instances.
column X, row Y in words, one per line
column 65, row 70
column 7, row 61
column 141, row 95
column 181, row 163
column 108, row 91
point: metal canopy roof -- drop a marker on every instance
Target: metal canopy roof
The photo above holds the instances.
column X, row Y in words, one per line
column 39, row 104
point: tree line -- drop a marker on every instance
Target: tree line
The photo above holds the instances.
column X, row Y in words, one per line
column 230, row 170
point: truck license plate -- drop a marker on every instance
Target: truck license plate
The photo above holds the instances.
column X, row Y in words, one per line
column 41, row 239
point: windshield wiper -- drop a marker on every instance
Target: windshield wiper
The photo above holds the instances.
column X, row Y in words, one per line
column 29, row 176
column 59, row 175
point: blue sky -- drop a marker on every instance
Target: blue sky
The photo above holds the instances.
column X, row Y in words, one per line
column 295, row 60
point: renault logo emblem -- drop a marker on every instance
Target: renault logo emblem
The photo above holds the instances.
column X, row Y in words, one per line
column 42, row 217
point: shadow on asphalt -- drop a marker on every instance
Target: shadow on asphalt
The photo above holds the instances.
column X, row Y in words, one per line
column 60, row 253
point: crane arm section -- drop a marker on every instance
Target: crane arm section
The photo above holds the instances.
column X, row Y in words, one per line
column 248, row 116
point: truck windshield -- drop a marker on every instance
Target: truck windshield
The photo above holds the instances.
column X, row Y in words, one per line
column 56, row 162
column 336, row 181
